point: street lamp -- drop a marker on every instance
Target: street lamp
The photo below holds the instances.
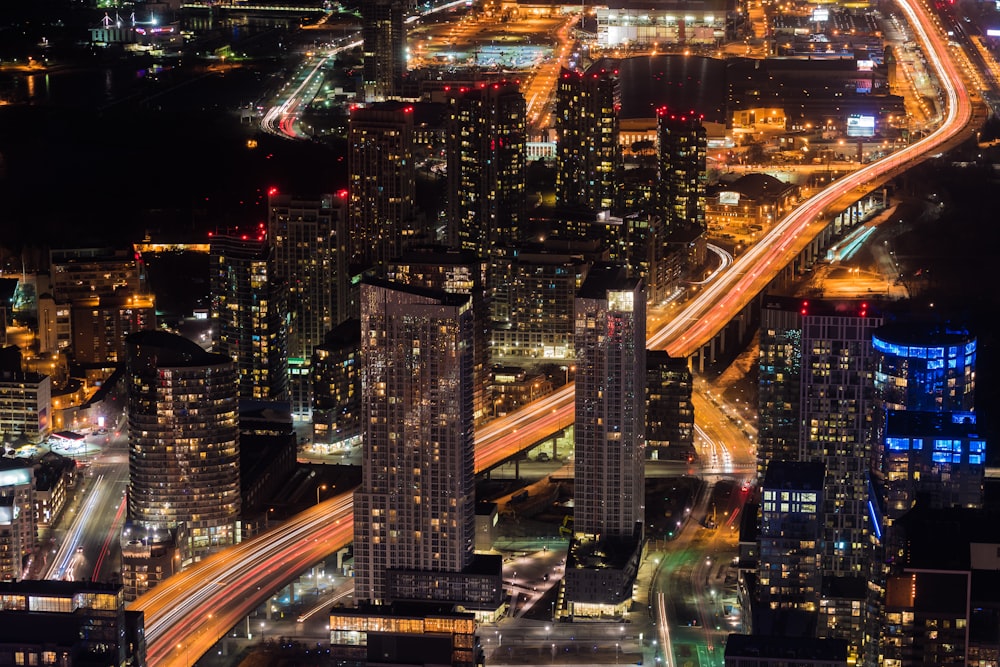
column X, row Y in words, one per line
column 321, row 487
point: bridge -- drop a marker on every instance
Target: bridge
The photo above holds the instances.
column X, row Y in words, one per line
column 188, row 613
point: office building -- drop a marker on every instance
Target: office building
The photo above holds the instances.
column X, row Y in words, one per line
column 381, row 182
column 589, row 153
column 485, row 146
column 459, row 272
column 25, row 406
column 383, row 37
column 68, row 623
column 669, row 410
column 336, row 386
column 248, row 312
column 310, row 252
column 184, row 450
column 414, row 513
column 609, row 483
column 18, row 532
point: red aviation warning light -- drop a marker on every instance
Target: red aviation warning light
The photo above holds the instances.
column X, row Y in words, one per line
column 804, row 309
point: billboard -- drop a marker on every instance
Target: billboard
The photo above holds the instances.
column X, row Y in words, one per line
column 821, row 14
column 729, row 198
column 859, row 125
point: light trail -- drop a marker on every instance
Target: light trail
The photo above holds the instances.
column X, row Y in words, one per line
column 65, row 557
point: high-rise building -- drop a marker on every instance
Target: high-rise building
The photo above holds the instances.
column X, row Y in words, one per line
column 683, row 147
column 100, row 325
column 589, row 152
column 381, row 181
column 789, row 577
column 17, row 516
column 609, row 482
column 938, row 457
column 610, row 403
column 837, row 394
column 248, row 313
column 830, row 342
column 532, row 303
column 336, row 390
column 310, row 250
column 310, row 253
column 486, row 159
column 459, row 272
column 184, row 450
column 383, row 48
column 921, row 367
column 779, row 378
column 669, row 410
column 414, row 513
column 25, row 406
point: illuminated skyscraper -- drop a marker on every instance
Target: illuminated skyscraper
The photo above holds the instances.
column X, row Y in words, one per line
column 459, row 272
column 381, row 181
column 683, row 154
column 609, row 484
column 309, row 253
column 414, row 513
column 825, row 347
column 248, row 313
column 384, row 45
column 789, row 578
column 184, row 448
column 610, row 403
column 589, row 152
column 486, row 160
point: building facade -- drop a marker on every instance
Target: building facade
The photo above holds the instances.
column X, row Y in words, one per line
column 415, row 508
column 610, row 435
column 381, row 181
column 184, row 450
column 248, row 313
column 589, row 153
column 485, row 146
column 310, row 252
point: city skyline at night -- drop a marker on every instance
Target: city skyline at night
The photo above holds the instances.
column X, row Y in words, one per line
column 499, row 333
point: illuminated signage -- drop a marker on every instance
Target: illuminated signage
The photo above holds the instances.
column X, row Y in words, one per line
column 729, row 198
column 860, row 126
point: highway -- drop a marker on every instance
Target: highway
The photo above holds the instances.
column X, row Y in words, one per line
column 189, row 612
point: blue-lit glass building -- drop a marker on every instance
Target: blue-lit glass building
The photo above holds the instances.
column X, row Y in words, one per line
column 939, row 457
column 919, row 368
